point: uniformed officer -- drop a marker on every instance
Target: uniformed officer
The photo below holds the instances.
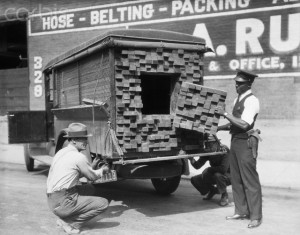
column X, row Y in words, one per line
column 246, row 186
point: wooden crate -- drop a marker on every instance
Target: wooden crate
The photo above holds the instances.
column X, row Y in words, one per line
column 195, row 109
column 139, row 133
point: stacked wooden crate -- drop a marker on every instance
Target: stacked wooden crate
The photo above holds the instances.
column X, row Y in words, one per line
column 195, row 109
column 153, row 133
column 138, row 133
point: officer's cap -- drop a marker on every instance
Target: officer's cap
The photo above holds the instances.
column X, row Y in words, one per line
column 244, row 76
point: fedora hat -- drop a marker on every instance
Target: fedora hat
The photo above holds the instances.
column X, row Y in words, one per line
column 76, row 130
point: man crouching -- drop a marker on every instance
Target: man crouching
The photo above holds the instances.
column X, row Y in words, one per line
column 213, row 179
column 74, row 204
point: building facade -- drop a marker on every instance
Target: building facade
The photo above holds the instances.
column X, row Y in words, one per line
column 259, row 36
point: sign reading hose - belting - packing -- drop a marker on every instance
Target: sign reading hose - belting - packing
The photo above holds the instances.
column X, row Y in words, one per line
column 259, row 36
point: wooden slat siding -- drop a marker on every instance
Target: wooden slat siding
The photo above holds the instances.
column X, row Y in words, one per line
column 139, row 133
column 70, row 76
column 14, row 93
column 113, row 98
column 89, row 69
column 58, row 77
column 68, row 83
column 79, row 84
column 94, row 72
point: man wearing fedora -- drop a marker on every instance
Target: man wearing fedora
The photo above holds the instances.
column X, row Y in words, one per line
column 246, row 186
column 74, row 204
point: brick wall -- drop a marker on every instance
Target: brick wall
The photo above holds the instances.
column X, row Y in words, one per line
column 279, row 97
column 13, row 90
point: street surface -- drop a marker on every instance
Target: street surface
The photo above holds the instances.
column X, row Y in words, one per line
column 135, row 208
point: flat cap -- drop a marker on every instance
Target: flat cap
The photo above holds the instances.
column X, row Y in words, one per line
column 244, row 76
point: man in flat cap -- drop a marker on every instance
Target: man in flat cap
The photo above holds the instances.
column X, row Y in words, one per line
column 74, row 204
column 246, row 186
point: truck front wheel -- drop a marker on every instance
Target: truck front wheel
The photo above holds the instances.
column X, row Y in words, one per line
column 29, row 162
column 166, row 186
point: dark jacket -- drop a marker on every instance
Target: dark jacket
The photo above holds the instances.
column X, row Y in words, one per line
column 218, row 163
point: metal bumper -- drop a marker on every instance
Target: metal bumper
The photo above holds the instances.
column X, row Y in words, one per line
column 157, row 159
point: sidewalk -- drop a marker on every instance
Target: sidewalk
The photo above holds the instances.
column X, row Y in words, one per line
column 274, row 174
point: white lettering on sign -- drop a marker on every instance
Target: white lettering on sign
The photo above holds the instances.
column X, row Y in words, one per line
column 296, row 61
column 121, row 14
column 257, row 63
column 37, row 66
column 285, row 1
column 58, row 22
column 202, row 32
column 200, row 6
column 248, row 32
column 213, row 66
column 292, row 40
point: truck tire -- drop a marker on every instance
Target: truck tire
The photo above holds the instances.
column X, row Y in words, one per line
column 166, row 186
column 29, row 162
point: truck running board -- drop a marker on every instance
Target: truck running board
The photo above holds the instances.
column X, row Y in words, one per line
column 156, row 159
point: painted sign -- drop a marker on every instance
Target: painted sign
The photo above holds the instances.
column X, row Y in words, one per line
column 260, row 36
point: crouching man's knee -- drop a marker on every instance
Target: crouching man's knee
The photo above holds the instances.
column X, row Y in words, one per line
column 102, row 205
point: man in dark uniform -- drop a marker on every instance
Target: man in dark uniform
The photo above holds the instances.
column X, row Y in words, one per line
column 246, row 186
column 217, row 174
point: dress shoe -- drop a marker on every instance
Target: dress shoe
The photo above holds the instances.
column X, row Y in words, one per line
column 211, row 193
column 224, row 199
column 237, row 216
column 254, row 223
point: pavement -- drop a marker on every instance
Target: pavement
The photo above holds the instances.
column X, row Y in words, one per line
column 274, row 174
column 278, row 161
column 136, row 209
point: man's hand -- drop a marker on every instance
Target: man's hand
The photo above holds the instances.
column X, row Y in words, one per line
column 224, row 148
column 220, row 110
column 105, row 169
column 95, row 163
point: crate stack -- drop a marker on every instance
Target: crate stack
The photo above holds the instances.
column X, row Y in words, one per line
column 138, row 133
column 195, row 109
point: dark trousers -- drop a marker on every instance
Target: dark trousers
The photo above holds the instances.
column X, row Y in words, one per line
column 246, row 186
column 76, row 205
column 206, row 181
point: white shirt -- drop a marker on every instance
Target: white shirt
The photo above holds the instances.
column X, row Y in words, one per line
column 67, row 167
column 251, row 105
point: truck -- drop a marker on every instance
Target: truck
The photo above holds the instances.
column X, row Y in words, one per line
column 140, row 93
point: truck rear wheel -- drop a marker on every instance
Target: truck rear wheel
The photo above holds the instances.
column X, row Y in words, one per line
column 29, row 162
column 166, row 186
